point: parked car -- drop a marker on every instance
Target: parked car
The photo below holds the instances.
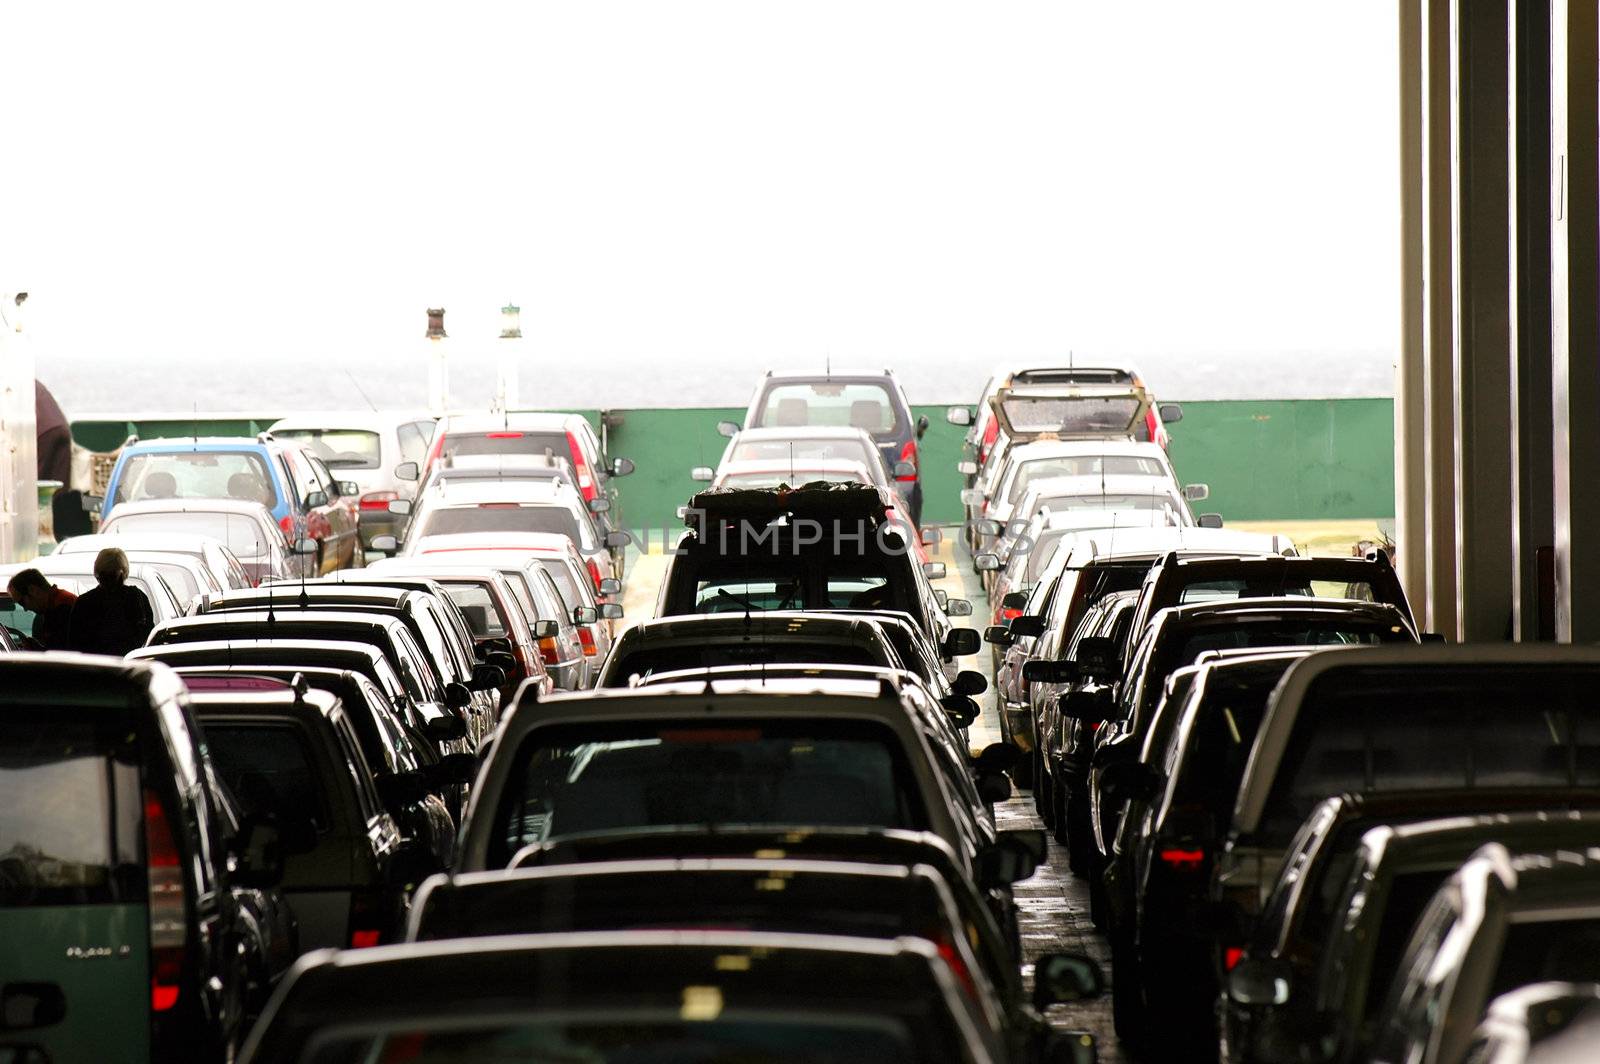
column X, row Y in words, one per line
column 812, row 446
column 566, row 436
column 125, row 934
column 245, row 527
column 303, row 497
column 217, row 559
column 372, row 448
column 76, row 574
column 751, row 641
column 1019, row 560
column 870, row 401
column 1538, row 1022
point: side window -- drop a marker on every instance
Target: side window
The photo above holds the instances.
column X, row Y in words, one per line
column 290, row 483
column 412, row 658
column 324, row 478
column 305, row 478
column 350, row 751
column 413, row 437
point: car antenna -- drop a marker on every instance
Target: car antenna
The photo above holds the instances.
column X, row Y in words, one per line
column 360, row 390
column 194, row 420
column 791, row 464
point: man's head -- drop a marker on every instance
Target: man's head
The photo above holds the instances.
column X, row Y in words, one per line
column 111, row 567
column 30, row 590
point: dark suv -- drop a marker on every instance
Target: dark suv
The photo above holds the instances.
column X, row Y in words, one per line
column 873, row 402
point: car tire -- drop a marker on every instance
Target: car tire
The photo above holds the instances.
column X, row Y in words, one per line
column 1043, row 791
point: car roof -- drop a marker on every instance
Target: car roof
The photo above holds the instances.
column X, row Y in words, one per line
column 284, row 595
column 1115, row 484
column 1139, row 543
column 172, row 444
column 237, row 507
column 778, row 433
column 535, row 542
column 1031, row 450
column 810, row 376
column 540, row 491
column 327, row 648
column 1283, row 708
column 267, row 616
column 770, row 623
column 336, row 420
column 157, row 542
column 93, row 680
column 811, row 697
column 266, row 703
column 804, row 465
column 513, row 421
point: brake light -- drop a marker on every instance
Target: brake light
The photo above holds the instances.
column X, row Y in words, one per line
column 586, row 638
column 908, row 453
column 364, row 930
column 1231, row 957
column 498, row 505
column 503, row 435
column 378, row 500
column 169, row 907
column 952, row 957
column 1182, row 858
column 580, row 468
column 1009, row 613
column 549, row 651
column 286, row 522
column 594, row 573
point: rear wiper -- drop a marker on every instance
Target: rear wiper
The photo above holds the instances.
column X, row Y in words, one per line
column 723, row 593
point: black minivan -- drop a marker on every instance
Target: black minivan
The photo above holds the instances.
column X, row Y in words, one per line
column 122, row 940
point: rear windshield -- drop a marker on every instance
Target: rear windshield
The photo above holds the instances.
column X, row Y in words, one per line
column 71, row 812
column 338, row 448
column 1218, row 743
column 801, row 449
column 858, row 405
column 549, row 444
column 244, row 537
column 647, row 663
column 502, row 517
column 1092, row 415
column 269, row 770
column 1375, row 730
column 478, row 607
column 1219, row 590
column 572, row 779
column 196, row 475
column 792, row 478
column 860, row 590
column 1084, row 465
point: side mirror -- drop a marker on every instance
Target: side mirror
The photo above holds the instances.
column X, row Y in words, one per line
column 1063, row 978
column 503, row 660
column 968, row 682
column 585, row 615
column 546, row 629
column 997, row 757
column 987, row 562
column 958, row 607
column 257, row 854
column 621, row 467
column 93, row 503
column 702, row 473
column 988, row 526
column 941, row 596
column 930, row 536
column 610, row 585
column 1171, row 413
column 1130, row 781
column 316, row 499
column 1259, row 982
column 408, row 471
column 922, row 426
column 1014, row 600
column 402, row 507
column 400, row 789
column 453, row 769
column 998, row 635
column 1009, row 860
column 904, row 471
column 993, row 787
column 599, row 505
column 385, row 544
column 1197, row 492
column 1209, row 520
column 933, row 570
column 349, row 488
column 958, row 415
column 486, row 677
column 967, row 467
column 444, row 727
column 962, row 641
column 1027, row 626
column 456, row 696
column 729, row 429
column 1090, row 707
column 1041, row 671
column 610, row 611
column 961, row 710
column 618, row 537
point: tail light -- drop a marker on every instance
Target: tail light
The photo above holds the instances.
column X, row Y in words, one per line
column 586, row 637
column 580, row 468
column 365, row 921
column 594, row 573
column 549, row 651
column 287, row 523
column 378, row 500
column 1183, row 858
column 952, row 957
column 169, row 907
column 1231, row 957
column 1008, row 613
column 908, row 453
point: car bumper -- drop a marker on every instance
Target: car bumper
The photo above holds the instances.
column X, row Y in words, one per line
column 1016, row 720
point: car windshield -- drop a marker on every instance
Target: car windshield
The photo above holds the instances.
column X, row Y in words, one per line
column 577, row 778
column 859, row 405
column 561, row 574
column 802, row 449
column 196, row 475
column 638, row 1037
column 338, row 448
column 1087, row 465
column 498, row 517
column 1071, row 415
column 71, row 810
column 245, row 537
column 510, row 441
column 775, row 477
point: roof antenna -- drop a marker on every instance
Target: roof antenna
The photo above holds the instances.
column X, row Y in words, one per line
column 827, row 366
column 791, row 464
column 360, row 390
column 194, row 420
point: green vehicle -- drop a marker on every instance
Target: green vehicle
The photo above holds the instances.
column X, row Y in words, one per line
column 123, row 937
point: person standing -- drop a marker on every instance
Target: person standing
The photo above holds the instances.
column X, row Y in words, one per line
column 51, row 607
column 112, row 617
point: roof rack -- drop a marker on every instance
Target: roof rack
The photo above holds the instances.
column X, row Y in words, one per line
column 815, row 500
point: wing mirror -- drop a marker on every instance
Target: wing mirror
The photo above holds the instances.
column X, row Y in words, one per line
column 610, row 611
column 968, row 468
column 961, row 710
column 969, row 682
column 993, row 787
column 987, row 562
column 702, row 473
column 502, row 659
column 933, row 570
column 1097, row 657
column 958, row 415
column 385, row 544
column 408, row 471
column 1209, row 520
column 1010, row 859
column 618, row 537
column 316, row 499
column 930, row 536
column 1027, row 626
column 456, row 696
column 1259, row 982
column 961, row 642
column 453, row 769
column 1063, row 978
column 621, row 467
column 347, row 488
column 997, row 757
column 585, row 615
column 486, row 677
column 546, row 629
column 904, row 471
column 970, row 496
column 402, row 507
column 257, row 854
column 305, row 546
column 729, row 429
column 444, row 728
column 998, row 635
column 599, row 505
column 1042, row 671
column 1014, row 600
column 1130, row 781
column 958, row 607
column 988, row 526
column 941, row 596
column 1171, row 413
column 400, row 789
column 1090, row 707
column 1197, row 492
column 922, row 426
column 610, row 585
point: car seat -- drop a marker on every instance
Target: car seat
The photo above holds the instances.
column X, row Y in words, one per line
column 247, row 488
column 792, row 412
column 866, row 414
column 161, row 486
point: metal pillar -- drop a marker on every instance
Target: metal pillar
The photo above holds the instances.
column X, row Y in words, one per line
column 1575, row 315
column 1532, row 489
column 1410, row 384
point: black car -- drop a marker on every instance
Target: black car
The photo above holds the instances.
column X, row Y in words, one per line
column 126, row 933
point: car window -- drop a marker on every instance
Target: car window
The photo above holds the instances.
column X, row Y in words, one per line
column 337, row 448
column 498, row 517
column 478, row 607
column 270, row 770
column 509, row 441
column 243, row 535
column 580, row 778
column 325, row 479
column 801, row 449
column 413, row 438
column 1083, row 465
column 304, row 477
column 196, row 475
column 858, row 405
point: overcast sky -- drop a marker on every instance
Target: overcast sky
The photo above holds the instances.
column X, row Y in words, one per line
column 750, row 180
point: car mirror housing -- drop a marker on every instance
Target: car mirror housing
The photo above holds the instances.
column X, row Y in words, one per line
column 1209, row 520
column 453, row 769
column 1090, row 707
column 546, row 629
column 970, row 682
column 1042, row 671
column 958, row 415
column 486, row 677
column 456, row 696
column 729, row 429
column 1028, row 625
column 1130, row 781
column 1259, row 982
column 610, row 611
column 1012, row 857
column 408, row 471
column 962, row 710
column 599, row 505
column 444, row 728
column 305, row 546
column 704, row 474
column 316, row 499
column 993, row 787
column 987, row 562
column 401, row 507
column 962, row 641
column 958, row 607
column 933, row 570
column 922, row 426
column 1196, row 492
column 618, row 537
column 585, row 615
column 1063, row 978
column 621, row 467
column 400, row 789
column 1171, row 413
column 998, row 635
column 385, row 544
column 609, row 585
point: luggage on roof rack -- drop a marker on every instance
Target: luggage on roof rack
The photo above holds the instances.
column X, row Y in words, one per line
column 817, row 500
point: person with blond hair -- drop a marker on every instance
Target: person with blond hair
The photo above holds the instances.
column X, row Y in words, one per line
column 113, row 617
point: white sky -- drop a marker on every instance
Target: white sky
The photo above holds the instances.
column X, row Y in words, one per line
column 761, row 181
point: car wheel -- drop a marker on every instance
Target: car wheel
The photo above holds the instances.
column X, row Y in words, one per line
column 1043, row 788
column 1039, row 781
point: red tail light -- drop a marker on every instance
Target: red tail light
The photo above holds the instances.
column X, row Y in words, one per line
column 580, row 468
column 586, row 637
column 549, row 651
column 1182, row 858
column 287, row 522
column 503, row 435
column 1009, row 613
column 594, row 573
column 169, row 907
column 378, row 500
column 364, row 929
column 952, row 957
column 1231, row 957
column 908, row 453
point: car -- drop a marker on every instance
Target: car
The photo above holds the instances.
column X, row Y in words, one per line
column 1503, row 921
column 75, row 573
column 569, row 437
column 769, row 637
column 870, row 401
column 291, row 757
column 1406, row 718
column 295, row 486
column 1018, row 561
column 812, row 446
column 1352, row 888
column 765, row 474
column 1537, row 1022
column 717, row 994
column 245, row 527
column 496, row 507
column 127, row 936
column 217, row 559
column 372, row 448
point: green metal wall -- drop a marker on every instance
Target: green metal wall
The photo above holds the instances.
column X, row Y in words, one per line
column 1296, row 459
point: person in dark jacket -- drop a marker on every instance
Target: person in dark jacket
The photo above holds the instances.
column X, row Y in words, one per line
column 111, row 618
column 51, row 607
column 54, row 437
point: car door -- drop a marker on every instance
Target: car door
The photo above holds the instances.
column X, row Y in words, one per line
column 344, row 520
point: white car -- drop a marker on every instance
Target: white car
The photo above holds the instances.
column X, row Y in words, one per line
column 247, row 528
column 764, row 473
column 219, row 561
column 75, row 573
